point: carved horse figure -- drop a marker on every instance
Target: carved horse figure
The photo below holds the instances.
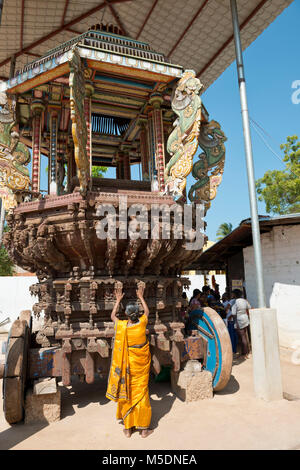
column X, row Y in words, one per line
column 183, row 141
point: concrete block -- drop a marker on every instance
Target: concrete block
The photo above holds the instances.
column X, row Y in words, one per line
column 265, row 352
column 43, row 408
column 192, row 384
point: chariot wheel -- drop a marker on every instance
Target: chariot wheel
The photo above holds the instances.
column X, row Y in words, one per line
column 15, row 370
column 218, row 358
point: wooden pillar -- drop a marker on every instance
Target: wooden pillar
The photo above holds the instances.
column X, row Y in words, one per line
column 126, row 164
column 156, row 100
column 53, row 153
column 37, row 108
column 71, row 166
column 120, row 165
column 89, row 90
column 151, row 149
column 144, row 150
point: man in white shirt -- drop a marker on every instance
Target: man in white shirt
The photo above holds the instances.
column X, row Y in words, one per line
column 230, row 321
column 240, row 310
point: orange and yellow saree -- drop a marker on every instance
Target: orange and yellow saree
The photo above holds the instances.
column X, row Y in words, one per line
column 129, row 374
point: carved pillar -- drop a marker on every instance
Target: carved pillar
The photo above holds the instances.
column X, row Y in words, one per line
column 151, row 149
column 71, row 166
column 126, row 164
column 156, row 100
column 37, row 109
column 53, row 153
column 89, row 90
column 120, row 165
column 144, row 150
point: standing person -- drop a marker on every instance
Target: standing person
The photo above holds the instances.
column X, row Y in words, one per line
column 216, row 292
column 240, row 310
column 130, row 366
column 209, row 294
column 230, row 320
column 184, row 306
column 195, row 300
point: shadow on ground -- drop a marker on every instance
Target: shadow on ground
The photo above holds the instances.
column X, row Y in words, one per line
column 82, row 394
column 161, row 400
column 18, row 433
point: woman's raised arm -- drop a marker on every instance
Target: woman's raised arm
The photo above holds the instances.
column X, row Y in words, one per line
column 140, row 295
column 119, row 296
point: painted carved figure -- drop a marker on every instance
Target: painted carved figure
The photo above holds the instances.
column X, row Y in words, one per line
column 79, row 128
column 14, row 156
column 211, row 140
column 183, row 141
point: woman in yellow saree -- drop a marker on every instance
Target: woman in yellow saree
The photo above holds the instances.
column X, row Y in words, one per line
column 130, row 366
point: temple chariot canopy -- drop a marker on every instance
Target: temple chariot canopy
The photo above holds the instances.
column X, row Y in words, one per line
column 195, row 34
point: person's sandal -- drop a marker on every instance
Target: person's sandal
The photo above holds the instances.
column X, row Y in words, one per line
column 127, row 432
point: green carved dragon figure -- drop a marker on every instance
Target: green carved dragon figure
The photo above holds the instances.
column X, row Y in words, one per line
column 211, row 139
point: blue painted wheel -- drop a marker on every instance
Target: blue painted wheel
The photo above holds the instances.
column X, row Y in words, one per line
column 218, row 358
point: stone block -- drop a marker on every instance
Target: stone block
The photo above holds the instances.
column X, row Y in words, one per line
column 193, row 383
column 44, row 386
column 43, row 408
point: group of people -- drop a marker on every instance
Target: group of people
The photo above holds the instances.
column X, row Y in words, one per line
column 233, row 308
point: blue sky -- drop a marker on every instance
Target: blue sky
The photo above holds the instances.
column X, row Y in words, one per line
column 271, row 66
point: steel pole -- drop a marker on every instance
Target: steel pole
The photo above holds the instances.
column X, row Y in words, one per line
column 249, row 157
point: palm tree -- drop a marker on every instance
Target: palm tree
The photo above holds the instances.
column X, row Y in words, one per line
column 223, row 230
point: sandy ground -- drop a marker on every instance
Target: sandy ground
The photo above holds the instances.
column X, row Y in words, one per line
column 233, row 419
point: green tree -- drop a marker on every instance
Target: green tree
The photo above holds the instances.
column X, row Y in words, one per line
column 6, row 264
column 280, row 189
column 99, row 171
column 223, row 230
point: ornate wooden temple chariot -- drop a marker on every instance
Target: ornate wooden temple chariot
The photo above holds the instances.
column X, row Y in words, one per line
column 104, row 100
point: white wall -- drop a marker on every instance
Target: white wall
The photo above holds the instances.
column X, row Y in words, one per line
column 281, row 267
column 15, row 297
column 197, row 282
column 286, row 299
column 281, row 261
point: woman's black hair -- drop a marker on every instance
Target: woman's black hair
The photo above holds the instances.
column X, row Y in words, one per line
column 195, row 293
column 132, row 311
column 238, row 293
column 184, row 295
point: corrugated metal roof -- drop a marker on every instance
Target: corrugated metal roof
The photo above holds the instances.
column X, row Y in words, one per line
column 195, row 34
column 216, row 256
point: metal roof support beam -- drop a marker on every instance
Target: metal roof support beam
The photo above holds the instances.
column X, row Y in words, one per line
column 242, row 26
column 188, row 27
column 64, row 13
column 116, row 17
column 147, row 18
column 249, row 157
column 62, row 28
column 22, row 24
